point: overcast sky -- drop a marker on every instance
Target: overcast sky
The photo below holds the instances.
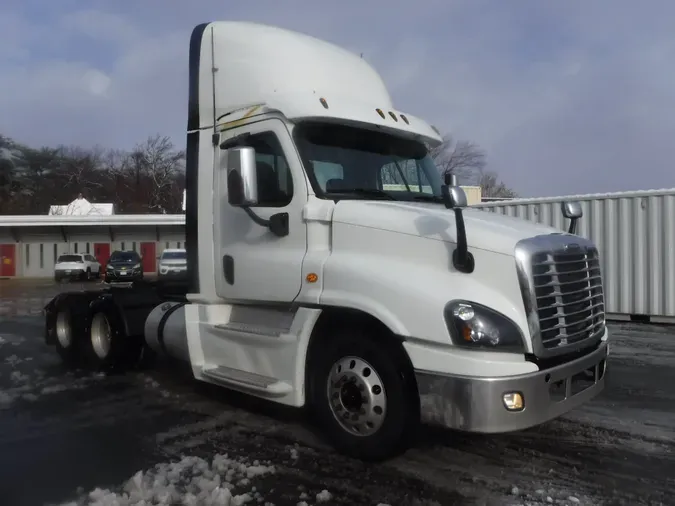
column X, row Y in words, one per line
column 565, row 96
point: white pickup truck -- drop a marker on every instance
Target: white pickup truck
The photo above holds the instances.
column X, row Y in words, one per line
column 331, row 267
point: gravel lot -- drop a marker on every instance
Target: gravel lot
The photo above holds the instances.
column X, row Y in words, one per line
column 160, row 436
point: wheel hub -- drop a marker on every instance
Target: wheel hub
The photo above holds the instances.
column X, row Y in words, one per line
column 101, row 335
column 63, row 330
column 356, row 396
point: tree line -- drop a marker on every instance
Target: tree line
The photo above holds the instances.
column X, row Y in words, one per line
column 150, row 178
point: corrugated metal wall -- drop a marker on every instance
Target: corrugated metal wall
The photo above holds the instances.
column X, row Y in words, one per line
column 635, row 233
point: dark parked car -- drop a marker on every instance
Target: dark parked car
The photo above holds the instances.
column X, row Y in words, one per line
column 124, row 266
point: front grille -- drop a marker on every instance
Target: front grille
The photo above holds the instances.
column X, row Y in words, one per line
column 570, row 302
column 563, row 292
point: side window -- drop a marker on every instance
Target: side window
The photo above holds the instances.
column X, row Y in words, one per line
column 329, row 175
column 275, row 184
column 404, row 175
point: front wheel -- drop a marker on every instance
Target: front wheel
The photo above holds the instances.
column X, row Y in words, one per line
column 363, row 394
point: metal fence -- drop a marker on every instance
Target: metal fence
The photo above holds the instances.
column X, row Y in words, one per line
column 635, row 234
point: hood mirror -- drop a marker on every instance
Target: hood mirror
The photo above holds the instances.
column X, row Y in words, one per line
column 454, row 197
column 572, row 211
column 457, row 197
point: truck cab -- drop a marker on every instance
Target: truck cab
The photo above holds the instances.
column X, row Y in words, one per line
column 332, row 267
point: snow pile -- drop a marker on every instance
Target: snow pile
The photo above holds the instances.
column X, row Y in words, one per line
column 192, row 481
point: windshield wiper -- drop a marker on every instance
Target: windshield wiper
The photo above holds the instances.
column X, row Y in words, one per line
column 368, row 192
column 428, row 198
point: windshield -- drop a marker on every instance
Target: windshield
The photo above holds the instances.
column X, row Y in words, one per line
column 174, row 255
column 124, row 256
column 69, row 258
column 344, row 161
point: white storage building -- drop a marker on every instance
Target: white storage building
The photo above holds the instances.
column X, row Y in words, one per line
column 30, row 245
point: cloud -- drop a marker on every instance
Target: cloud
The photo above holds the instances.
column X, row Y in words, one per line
column 566, row 97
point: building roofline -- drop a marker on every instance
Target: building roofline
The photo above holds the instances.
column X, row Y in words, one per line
column 92, row 220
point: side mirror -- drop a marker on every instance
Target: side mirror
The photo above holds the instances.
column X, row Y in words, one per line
column 457, row 196
column 242, row 180
column 572, row 211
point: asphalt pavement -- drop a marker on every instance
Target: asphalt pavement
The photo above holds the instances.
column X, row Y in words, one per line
column 160, row 437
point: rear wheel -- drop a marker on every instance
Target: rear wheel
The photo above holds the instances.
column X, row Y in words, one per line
column 67, row 342
column 107, row 345
column 363, row 394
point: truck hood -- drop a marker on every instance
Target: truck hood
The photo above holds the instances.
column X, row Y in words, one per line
column 485, row 230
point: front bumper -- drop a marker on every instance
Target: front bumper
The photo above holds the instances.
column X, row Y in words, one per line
column 476, row 404
column 173, row 274
column 69, row 274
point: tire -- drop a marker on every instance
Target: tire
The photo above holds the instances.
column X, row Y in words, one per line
column 67, row 340
column 348, row 364
column 107, row 346
column 88, row 274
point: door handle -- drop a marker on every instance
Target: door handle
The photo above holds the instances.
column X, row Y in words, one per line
column 228, row 269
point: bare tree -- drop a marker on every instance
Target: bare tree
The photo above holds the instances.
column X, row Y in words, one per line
column 157, row 162
column 463, row 158
column 492, row 187
column 81, row 168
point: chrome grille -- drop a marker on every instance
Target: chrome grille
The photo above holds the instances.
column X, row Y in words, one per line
column 562, row 289
column 570, row 300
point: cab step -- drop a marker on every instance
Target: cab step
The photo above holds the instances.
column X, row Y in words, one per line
column 247, row 380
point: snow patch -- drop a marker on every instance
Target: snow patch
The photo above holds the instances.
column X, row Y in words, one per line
column 324, row 496
column 53, row 389
column 13, row 360
column 192, row 481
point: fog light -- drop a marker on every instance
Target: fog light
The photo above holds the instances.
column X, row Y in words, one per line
column 513, row 401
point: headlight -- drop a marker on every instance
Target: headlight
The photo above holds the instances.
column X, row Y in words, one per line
column 137, row 266
column 475, row 326
column 109, row 267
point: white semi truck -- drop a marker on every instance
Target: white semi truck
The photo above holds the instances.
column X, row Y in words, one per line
column 331, row 267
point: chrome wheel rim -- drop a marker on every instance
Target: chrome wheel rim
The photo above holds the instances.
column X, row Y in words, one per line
column 64, row 332
column 101, row 335
column 356, row 396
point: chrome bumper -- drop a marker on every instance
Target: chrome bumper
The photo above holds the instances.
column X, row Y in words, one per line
column 476, row 404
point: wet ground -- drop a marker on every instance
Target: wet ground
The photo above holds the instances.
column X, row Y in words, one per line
column 84, row 438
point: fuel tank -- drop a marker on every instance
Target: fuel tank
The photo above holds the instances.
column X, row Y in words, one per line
column 165, row 331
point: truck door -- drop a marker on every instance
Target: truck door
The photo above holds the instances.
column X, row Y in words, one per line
column 261, row 266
